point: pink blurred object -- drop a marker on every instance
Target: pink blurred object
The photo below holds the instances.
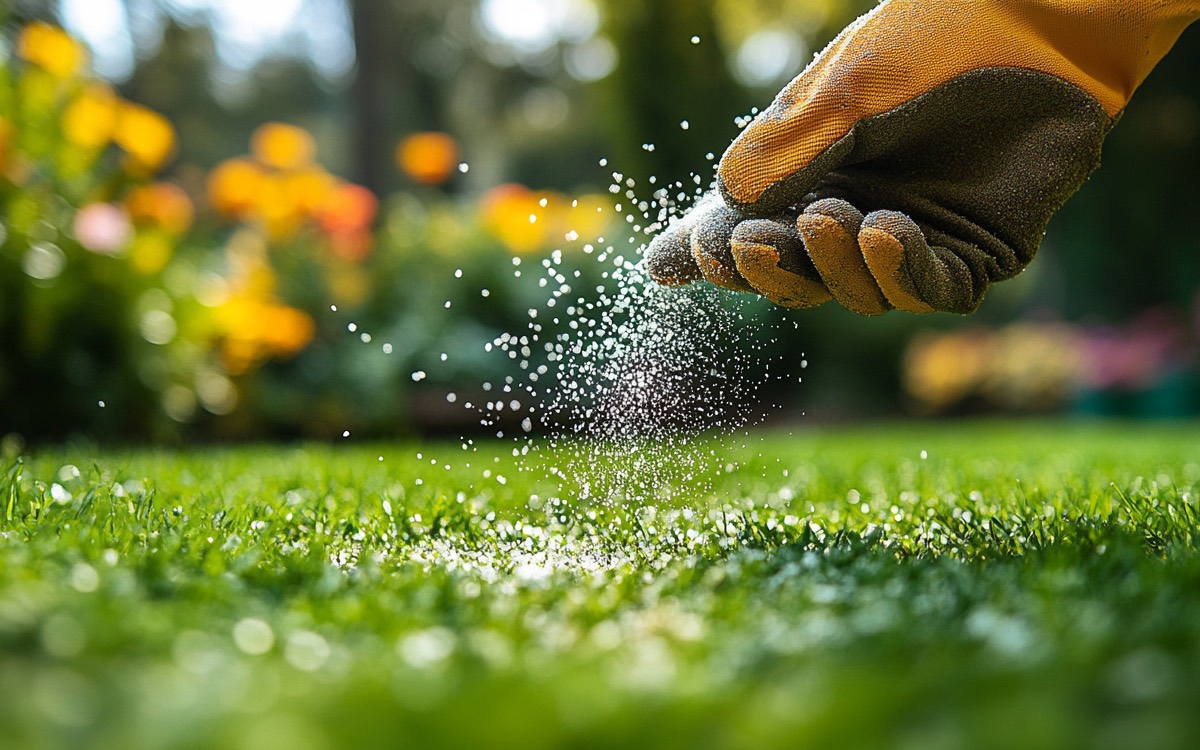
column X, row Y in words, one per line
column 1134, row 356
column 103, row 228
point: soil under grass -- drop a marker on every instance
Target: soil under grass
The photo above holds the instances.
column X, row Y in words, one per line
column 957, row 585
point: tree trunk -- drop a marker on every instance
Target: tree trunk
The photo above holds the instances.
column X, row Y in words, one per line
column 372, row 36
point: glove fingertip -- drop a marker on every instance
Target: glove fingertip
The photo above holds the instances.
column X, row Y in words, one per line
column 669, row 259
column 839, row 210
column 897, row 224
column 766, row 255
column 885, row 255
column 711, row 237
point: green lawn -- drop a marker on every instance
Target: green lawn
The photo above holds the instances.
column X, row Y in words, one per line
column 1020, row 586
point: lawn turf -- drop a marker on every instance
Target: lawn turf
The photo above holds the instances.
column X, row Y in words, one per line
column 1022, row 585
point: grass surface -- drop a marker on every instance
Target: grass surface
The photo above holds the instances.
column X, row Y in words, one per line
column 1022, row 586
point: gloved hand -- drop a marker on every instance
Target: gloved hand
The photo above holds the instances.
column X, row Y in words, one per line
column 920, row 157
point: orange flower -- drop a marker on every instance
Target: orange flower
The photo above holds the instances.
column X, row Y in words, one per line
column 282, row 146
column 352, row 246
column 51, row 49
column 91, row 118
column 349, row 208
column 427, row 158
column 144, row 134
column 233, row 187
column 163, row 204
column 6, row 138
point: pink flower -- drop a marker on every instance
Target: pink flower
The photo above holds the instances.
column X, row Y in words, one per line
column 103, row 228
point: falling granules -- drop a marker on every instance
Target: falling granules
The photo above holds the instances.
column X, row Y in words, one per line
column 633, row 387
column 639, row 399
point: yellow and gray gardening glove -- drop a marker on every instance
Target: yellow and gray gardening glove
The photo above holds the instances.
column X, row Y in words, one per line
column 920, row 157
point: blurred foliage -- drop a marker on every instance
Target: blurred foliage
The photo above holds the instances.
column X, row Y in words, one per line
column 669, row 46
column 75, row 163
column 216, row 112
column 676, row 65
column 117, row 322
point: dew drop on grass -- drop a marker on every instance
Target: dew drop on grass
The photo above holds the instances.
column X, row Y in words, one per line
column 84, row 578
column 306, row 651
column 253, row 636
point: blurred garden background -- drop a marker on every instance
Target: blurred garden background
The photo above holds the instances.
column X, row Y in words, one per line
column 227, row 219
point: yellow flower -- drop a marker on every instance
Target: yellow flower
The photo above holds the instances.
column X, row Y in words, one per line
column 233, row 187
column 51, row 49
column 309, row 189
column 279, row 213
column 150, row 252
column 144, row 134
column 942, row 369
column 283, row 146
column 427, row 158
column 511, row 213
column 588, row 217
column 349, row 285
column 90, row 119
column 253, row 329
